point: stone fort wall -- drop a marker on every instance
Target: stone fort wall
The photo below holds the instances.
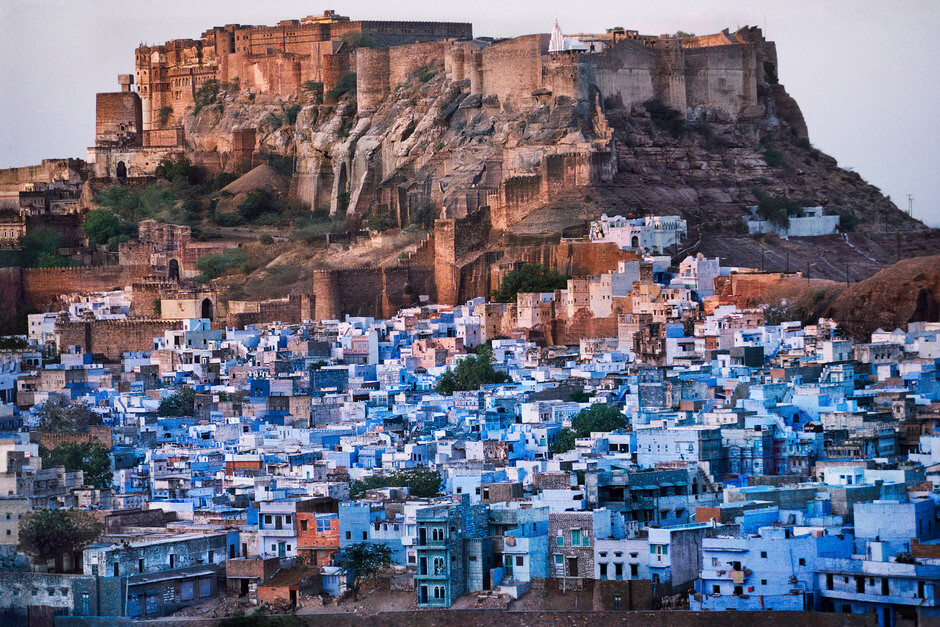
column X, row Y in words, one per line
column 112, row 338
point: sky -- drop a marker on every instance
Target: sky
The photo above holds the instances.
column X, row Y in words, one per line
column 864, row 72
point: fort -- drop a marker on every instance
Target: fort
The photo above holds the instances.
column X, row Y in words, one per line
column 486, row 135
column 274, row 60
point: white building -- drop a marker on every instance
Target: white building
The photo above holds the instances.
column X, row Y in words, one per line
column 810, row 223
column 653, row 234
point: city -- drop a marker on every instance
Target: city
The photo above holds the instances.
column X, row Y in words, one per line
column 371, row 322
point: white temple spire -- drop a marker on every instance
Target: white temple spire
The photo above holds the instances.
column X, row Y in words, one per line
column 557, row 42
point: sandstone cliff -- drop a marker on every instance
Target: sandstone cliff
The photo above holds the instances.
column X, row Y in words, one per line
column 545, row 166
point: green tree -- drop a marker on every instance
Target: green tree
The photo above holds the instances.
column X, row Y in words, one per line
column 471, row 373
column 47, row 534
column 564, row 441
column 180, row 170
column 207, row 94
column 775, row 209
column 345, row 84
column 364, row 560
column 89, row 457
column 183, row 403
column 381, row 221
column 421, row 482
column 531, row 277
column 598, row 417
column 164, row 115
column 40, row 247
column 62, row 417
column 101, row 225
column 355, row 39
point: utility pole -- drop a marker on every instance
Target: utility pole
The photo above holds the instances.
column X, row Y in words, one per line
column 910, row 204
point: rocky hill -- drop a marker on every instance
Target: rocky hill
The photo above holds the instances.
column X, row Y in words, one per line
column 543, row 169
column 908, row 291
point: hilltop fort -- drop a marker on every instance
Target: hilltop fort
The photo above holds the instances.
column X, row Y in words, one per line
column 501, row 151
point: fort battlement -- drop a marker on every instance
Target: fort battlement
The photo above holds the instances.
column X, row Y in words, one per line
column 112, row 338
column 274, row 60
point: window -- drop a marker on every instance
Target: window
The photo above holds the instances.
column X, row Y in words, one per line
column 763, row 554
column 884, row 586
column 618, row 571
column 519, row 560
column 560, row 540
column 117, row 570
column 603, row 571
column 575, row 537
column 716, row 589
column 715, row 561
column 634, row 570
column 140, row 566
column 212, row 557
column 829, row 581
column 618, row 603
column 802, row 561
column 363, row 535
column 763, row 582
column 303, row 525
column 559, row 559
column 349, row 535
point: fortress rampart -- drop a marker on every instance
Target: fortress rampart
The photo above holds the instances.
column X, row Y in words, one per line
column 112, row 338
column 274, row 60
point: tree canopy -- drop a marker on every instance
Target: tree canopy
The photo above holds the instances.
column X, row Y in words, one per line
column 89, row 457
column 62, row 417
column 421, row 482
column 599, row 417
column 364, row 560
column 471, row 373
column 40, row 248
column 531, row 277
column 183, row 403
column 50, row 533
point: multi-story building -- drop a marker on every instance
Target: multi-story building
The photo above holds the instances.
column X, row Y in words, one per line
column 453, row 552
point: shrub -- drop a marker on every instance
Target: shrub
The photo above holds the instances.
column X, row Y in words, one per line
column 213, row 266
column 354, row 39
column 848, row 222
column 773, row 158
column 290, row 114
column 266, row 239
column 424, row 214
column 438, row 146
column 101, row 225
column 164, row 115
column 380, row 221
column 257, row 203
column 775, row 209
column 427, row 76
column 665, row 117
column 528, row 278
column 206, row 95
column 342, row 203
column 222, row 179
column 315, row 89
column 180, row 170
column 344, row 85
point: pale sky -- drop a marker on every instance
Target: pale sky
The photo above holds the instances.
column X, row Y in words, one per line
column 863, row 71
